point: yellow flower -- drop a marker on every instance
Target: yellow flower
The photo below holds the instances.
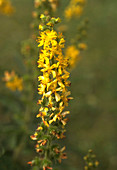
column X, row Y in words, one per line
column 90, row 164
column 46, row 123
column 77, row 10
column 37, row 3
column 72, row 54
column 86, row 167
column 82, row 46
column 57, row 97
column 39, row 128
column 96, row 163
column 13, row 82
column 8, row 76
column 6, row 7
column 68, row 13
column 42, row 16
column 74, row 9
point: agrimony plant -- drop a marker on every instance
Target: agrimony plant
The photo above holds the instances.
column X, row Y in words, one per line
column 53, row 88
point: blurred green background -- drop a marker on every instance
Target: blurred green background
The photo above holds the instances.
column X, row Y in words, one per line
column 93, row 119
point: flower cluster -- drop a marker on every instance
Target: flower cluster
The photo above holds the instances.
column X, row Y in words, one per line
column 53, row 88
column 74, row 9
column 13, row 82
column 6, row 7
column 73, row 54
column 90, row 161
column 48, row 7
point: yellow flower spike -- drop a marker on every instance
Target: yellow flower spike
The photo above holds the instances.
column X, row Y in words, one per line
column 53, row 82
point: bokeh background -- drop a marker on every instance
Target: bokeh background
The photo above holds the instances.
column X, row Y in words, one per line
column 93, row 119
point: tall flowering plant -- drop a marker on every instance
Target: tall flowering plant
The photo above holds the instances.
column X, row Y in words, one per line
column 53, row 88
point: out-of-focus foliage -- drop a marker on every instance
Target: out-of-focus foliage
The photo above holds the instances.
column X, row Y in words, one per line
column 93, row 111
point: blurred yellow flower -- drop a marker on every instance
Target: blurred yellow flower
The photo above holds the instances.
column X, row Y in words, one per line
column 68, row 13
column 13, row 82
column 72, row 54
column 74, row 9
column 5, row 7
column 82, row 46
